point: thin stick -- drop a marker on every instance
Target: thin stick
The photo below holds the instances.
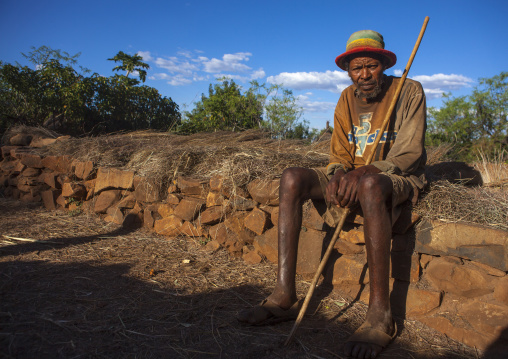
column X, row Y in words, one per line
column 346, row 211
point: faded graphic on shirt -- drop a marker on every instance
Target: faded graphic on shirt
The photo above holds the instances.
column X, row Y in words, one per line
column 361, row 137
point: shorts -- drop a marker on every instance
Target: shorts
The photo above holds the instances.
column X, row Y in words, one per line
column 404, row 193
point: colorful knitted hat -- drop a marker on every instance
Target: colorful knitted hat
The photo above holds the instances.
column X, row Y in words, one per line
column 366, row 41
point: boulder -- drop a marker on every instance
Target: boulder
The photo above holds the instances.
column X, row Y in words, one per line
column 112, row 178
column 257, row 221
column 105, row 200
column 265, row 191
column 189, row 208
column 475, row 242
column 146, row 190
column 169, row 226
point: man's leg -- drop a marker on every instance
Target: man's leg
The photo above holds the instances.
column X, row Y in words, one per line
column 375, row 193
column 296, row 186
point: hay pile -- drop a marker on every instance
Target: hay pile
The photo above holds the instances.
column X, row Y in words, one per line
column 240, row 157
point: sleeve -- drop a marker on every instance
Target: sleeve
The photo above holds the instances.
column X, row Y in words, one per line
column 407, row 152
column 340, row 149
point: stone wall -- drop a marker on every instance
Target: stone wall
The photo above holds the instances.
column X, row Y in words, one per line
column 450, row 276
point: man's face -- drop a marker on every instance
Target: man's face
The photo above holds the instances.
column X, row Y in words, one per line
column 367, row 75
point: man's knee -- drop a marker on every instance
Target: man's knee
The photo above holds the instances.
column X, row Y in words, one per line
column 374, row 188
column 295, row 181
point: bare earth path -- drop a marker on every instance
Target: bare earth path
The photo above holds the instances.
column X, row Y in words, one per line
column 72, row 287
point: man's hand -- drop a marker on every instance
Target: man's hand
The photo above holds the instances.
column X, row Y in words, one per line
column 342, row 190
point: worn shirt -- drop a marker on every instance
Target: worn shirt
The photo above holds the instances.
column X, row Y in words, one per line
column 401, row 150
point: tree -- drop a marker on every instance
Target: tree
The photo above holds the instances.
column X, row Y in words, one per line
column 225, row 108
column 283, row 114
column 477, row 121
column 55, row 94
column 130, row 63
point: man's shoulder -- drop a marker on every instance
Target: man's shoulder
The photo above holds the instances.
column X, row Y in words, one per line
column 408, row 83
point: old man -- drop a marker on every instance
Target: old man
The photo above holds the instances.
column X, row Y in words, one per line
column 396, row 175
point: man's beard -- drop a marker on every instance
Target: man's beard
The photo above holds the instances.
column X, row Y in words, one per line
column 373, row 94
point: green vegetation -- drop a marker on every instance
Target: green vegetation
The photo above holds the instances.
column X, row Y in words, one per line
column 475, row 123
column 226, row 108
column 56, row 95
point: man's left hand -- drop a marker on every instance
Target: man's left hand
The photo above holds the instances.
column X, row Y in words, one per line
column 347, row 193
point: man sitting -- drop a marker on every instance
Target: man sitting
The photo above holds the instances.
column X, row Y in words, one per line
column 395, row 175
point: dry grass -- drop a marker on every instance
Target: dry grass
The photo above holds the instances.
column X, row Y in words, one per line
column 76, row 288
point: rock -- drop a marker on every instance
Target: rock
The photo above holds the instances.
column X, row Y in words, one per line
column 405, row 267
column 105, row 200
column 169, row 226
column 477, row 243
column 417, row 302
column 501, row 291
column 190, row 186
column 60, row 164
column 218, row 233
column 466, row 281
column 267, row 245
column 31, row 160
column 20, row 140
column 115, row 215
column 214, row 199
column 275, row 216
column 236, row 224
column 148, row 219
column 191, row 230
column 172, row 198
column 310, row 249
column 344, row 247
column 74, row 190
column 485, row 318
column 468, row 337
column 5, row 151
column 212, row 215
column 212, row 246
column 133, row 220
column 489, row 270
column 257, row 221
column 349, row 269
column 425, row 260
column 146, row 190
column 49, row 178
column 83, row 169
column 242, row 204
column 354, row 235
column 112, row 178
column 49, row 198
column 42, row 142
column 129, row 201
column 165, row 210
column 30, row 197
column 31, row 172
column 265, row 191
column 252, row 257
column 311, row 217
column 234, row 244
column 189, row 208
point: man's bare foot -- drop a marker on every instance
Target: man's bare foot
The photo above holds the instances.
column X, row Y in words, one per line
column 374, row 334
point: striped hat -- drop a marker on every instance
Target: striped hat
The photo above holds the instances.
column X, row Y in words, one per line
column 366, row 41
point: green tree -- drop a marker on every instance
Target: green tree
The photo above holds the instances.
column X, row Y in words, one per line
column 477, row 121
column 56, row 95
column 130, row 63
column 283, row 114
column 225, row 108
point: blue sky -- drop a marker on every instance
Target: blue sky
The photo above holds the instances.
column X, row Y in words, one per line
column 188, row 44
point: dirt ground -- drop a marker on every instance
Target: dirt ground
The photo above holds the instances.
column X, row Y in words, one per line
column 73, row 287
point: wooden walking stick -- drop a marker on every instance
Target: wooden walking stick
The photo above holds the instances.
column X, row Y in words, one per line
column 346, row 211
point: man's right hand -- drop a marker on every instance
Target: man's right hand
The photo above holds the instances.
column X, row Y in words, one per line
column 332, row 188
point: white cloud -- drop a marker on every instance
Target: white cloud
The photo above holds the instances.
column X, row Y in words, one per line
column 444, row 82
column 145, row 55
column 190, row 66
column 229, row 63
column 334, row 81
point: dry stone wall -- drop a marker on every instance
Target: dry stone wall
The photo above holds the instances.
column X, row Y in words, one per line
column 451, row 276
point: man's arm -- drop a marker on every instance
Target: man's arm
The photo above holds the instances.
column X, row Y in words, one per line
column 407, row 152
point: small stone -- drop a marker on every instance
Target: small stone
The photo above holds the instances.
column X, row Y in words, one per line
column 257, row 221
column 252, row 257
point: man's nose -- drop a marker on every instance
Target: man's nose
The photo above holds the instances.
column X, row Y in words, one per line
column 364, row 73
